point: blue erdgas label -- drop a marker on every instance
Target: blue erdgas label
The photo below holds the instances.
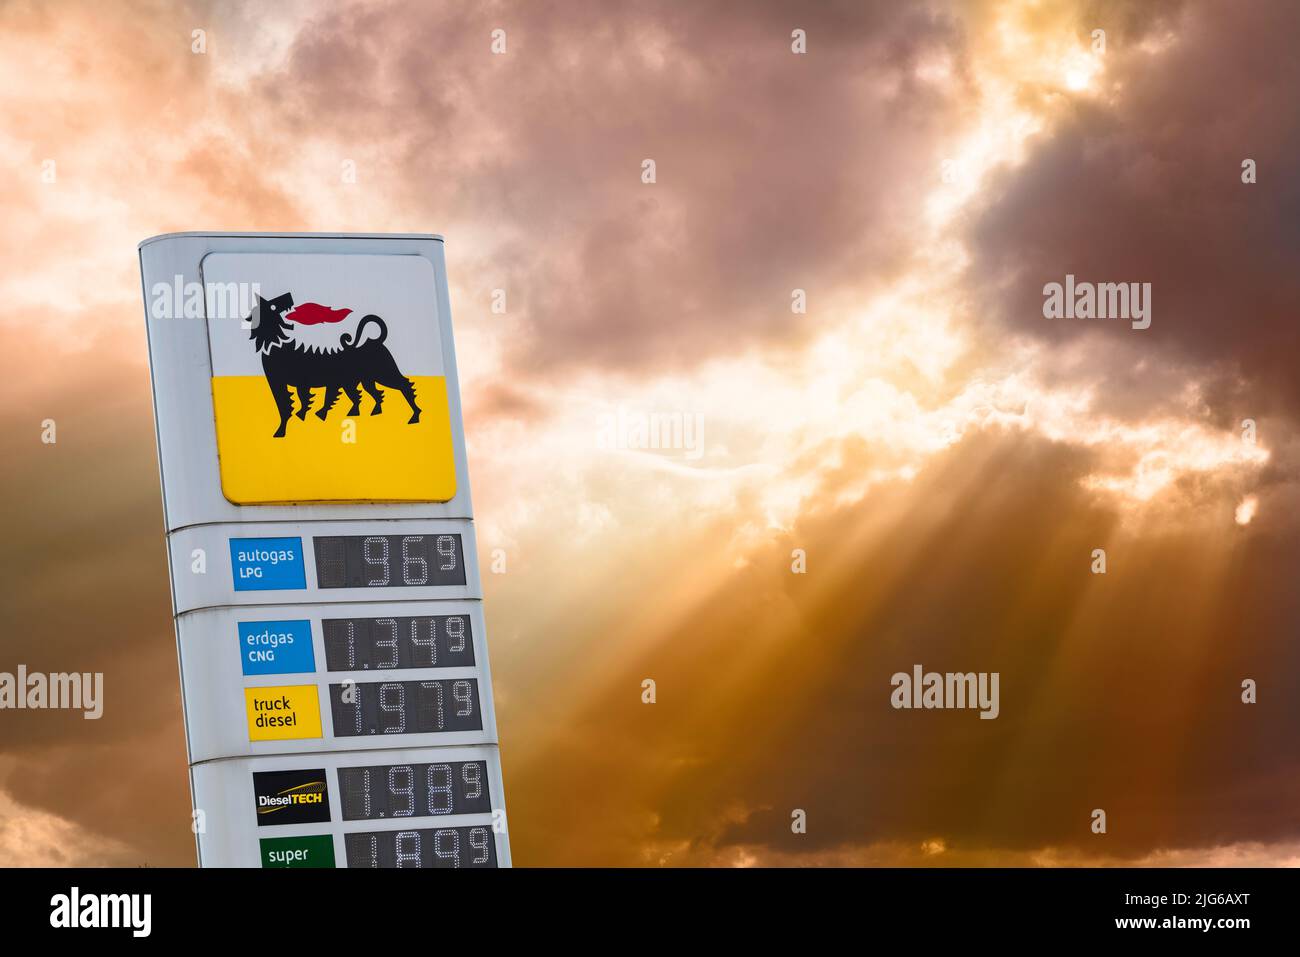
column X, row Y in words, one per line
column 267, row 564
column 276, row 647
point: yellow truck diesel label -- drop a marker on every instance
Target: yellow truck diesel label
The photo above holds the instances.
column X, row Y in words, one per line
column 282, row 712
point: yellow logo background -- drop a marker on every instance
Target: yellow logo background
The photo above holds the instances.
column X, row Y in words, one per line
column 390, row 461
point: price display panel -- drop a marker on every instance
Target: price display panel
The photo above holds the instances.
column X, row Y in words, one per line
column 426, row 847
column 324, row 568
column 406, row 707
column 376, row 792
column 406, row 641
column 322, row 810
column 389, row 561
column 271, row 563
column 306, row 677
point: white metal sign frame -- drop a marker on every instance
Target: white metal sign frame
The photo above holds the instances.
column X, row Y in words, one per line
column 230, row 634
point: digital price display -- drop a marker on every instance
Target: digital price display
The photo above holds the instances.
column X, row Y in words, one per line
column 388, row 561
column 414, row 790
column 429, row 641
column 406, row 707
column 434, row 847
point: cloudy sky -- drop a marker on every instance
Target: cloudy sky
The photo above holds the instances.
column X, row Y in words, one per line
column 946, row 458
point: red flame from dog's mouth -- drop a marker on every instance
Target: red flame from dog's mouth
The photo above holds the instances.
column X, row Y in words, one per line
column 313, row 313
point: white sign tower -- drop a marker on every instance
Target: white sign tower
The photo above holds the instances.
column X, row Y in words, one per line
column 324, row 572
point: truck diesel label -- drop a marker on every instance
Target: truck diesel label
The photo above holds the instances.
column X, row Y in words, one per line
column 281, row 712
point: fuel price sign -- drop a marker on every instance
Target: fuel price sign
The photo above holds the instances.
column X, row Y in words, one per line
column 324, row 568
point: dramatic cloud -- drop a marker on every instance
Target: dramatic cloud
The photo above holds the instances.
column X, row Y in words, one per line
column 1141, row 181
column 947, row 459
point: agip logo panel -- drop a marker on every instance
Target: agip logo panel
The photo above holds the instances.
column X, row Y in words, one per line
column 331, row 387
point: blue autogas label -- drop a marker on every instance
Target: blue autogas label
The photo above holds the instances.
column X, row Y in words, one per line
column 267, row 564
column 275, row 647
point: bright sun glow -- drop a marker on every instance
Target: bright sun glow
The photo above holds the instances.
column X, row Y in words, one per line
column 1079, row 69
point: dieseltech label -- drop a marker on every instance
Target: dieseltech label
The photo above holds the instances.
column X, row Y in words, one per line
column 291, row 797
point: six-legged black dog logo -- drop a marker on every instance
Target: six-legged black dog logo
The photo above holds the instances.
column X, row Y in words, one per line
column 355, row 364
